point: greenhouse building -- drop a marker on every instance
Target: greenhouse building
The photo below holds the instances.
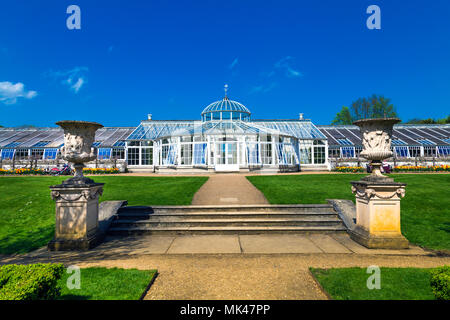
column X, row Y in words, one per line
column 225, row 139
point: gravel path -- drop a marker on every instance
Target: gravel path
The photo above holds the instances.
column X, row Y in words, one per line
column 226, row 189
column 284, row 276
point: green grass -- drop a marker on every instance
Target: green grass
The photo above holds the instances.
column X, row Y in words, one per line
column 395, row 284
column 108, row 284
column 425, row 210
column 27, row 212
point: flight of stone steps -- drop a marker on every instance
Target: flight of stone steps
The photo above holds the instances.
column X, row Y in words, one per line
column 230, row 219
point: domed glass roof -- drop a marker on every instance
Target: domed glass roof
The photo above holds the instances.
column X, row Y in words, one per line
column 225, row 105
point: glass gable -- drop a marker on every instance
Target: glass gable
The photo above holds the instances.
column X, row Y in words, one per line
column 8, row 154
column 50, row 154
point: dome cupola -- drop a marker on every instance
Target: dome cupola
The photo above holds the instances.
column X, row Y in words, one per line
column 226, row 109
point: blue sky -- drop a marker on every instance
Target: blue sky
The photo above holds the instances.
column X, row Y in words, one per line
column 172, row 58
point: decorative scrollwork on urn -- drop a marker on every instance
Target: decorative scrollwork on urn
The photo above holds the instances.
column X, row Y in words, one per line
column 369, row 193
column 376, row 139
column 78, row 139
column 87, row 194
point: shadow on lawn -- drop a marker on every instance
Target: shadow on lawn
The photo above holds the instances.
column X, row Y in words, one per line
column 446, row 227
column 23, row 242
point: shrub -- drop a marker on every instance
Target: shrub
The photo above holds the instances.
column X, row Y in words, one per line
column 30, row 282
column 440, row 282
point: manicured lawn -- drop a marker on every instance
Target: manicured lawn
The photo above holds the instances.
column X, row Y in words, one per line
column 27, row 216
column 108, row 284
column 395, row 284
column 425, row 211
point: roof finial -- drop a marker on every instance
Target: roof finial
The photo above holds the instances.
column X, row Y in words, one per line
column 226, row 89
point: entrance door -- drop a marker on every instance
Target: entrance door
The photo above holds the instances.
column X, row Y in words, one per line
column 226, row 157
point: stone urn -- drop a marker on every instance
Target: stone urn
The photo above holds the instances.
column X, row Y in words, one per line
column 76, row 199
column 377, row 196
column 78, row 139
column 376, row 140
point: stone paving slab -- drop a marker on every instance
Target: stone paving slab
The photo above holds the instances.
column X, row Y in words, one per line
column 211, row 244
column 327, row 244
column 137, row 245
column 345, row 240
column 333, row 243
column 277, row 244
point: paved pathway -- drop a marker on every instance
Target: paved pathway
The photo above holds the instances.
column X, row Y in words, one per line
column 234, row 266
column 226, row 189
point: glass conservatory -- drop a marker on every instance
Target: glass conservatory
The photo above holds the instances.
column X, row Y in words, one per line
column 226, row 140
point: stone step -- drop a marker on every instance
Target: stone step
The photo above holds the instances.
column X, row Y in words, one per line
column 227, row 208
column 222, row 215
column 225, row 230
column 152, row 223
column 226, row 219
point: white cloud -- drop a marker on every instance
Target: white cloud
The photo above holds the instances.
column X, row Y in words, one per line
column 293, row 73
column 234, row 63
column 263, row 88
column 285, row 65
column 9, row 92
column 77, row 86
column 74, row 78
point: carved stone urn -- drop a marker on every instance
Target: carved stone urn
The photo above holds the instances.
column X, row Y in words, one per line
column 78, row 139
column 76, row 199
column 377, row 196
column 376, row 140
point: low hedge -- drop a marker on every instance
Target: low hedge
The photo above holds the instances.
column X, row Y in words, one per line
column 440, row 282
column 30, row 282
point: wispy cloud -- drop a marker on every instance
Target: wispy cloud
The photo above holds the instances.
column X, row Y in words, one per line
column 234, row 63
column 74, row 78
column 263, row 88
column 77, row 85
column 285, row 65
column 9, row 92
column 268, row 78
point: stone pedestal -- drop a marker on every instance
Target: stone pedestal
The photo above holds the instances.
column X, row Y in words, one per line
column 378, row 213
column 76, row 223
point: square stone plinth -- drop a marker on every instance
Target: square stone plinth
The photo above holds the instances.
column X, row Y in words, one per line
column 76, row 216
column 378, row 214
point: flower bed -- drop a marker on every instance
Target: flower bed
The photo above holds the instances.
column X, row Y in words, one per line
column 100, row 170
column 26, row 171
column 21, row 171
column 350, row 169
column 441, row 168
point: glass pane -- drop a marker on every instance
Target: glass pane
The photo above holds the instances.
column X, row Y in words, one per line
column 226, row 115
